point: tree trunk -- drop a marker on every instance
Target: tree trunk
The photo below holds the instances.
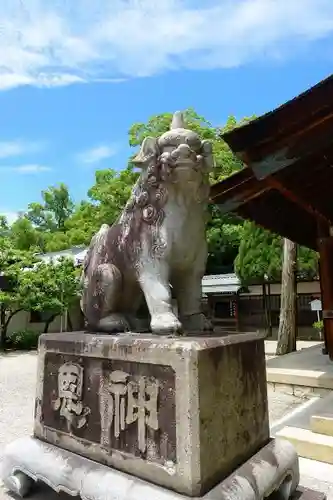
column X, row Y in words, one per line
column 2, row 326
column 69, row 321
column 264, row 301
column 4, row 323
column 48, row 322
column 287, row 327
column 269, row 309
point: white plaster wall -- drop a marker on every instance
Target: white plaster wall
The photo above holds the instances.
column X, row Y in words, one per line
column 21, row 321
column 307, row 288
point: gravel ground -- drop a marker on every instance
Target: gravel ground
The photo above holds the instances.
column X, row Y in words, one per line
column 17, row 385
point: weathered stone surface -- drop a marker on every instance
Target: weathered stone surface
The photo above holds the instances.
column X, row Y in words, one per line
column 272, row 473
column 180, row 412
column 158, row 240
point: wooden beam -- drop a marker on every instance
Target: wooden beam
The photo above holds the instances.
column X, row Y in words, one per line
column 292, row 196
column 281, row 151
column 243, row 188
column 232, row 182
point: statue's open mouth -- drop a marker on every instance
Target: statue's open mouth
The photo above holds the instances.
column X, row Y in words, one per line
column 184, row 157
column 185, row 164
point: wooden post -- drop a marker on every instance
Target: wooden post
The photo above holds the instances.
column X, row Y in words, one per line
column 2, row 327
column 325, row 247
column 325, row 349
column 269, row 308
column 237, row 313
column 264, row 303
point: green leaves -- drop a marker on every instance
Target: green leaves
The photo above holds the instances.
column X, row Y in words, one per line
column 50, row 287
column 260, row 255
column 35, row 285
column 56, row 209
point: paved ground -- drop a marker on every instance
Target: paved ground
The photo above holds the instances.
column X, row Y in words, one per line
column 17, row 383
column 270, row 345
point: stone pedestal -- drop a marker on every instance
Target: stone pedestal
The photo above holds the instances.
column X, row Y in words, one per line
column 182, row 413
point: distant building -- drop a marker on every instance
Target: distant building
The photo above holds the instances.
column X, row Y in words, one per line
column 78, row 253
column 232, row 306
column 220, row 294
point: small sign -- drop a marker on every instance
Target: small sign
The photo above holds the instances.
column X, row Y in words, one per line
column 316, row 305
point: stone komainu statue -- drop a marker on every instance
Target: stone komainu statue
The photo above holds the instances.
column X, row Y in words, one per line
column 158, row 240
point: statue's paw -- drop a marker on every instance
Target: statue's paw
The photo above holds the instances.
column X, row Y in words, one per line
column 207, row 325
column 114, row 323
column 196, row 323
column 165, row 323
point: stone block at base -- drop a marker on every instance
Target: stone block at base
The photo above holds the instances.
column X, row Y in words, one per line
column 183, row 413
column 273, row 469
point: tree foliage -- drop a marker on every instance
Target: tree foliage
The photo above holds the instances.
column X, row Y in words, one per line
column 52, row 214
column 260, row 256
column 12, row 264
column 34, row 285
column 52, row 287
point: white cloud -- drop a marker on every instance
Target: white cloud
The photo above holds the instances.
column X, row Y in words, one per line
column 11, row 216
column 32, row 168
column 96, row 154
column 46, row 43
column 10, row 80
column 18, row 147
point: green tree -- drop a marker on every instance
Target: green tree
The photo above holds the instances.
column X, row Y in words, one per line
column 224, row 236
column 49, row 287
column 307, row 263
column 4, row 226
column 12, row 265
column 25, row 236
column 54, row 242
column 83, row 224
column 52, row 288
column 107, row 197
column 260, row 255
column 111, row 192
column 52, row 214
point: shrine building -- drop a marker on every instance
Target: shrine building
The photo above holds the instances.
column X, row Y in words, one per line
column 287, row 183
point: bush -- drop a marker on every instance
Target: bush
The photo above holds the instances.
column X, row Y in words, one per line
column 23, row 339
column 319, row 326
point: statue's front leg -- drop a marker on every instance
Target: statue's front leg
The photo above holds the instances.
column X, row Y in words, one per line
column 188, row 288
column 154, row 282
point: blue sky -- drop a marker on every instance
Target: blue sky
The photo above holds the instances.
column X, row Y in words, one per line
column 74, row 75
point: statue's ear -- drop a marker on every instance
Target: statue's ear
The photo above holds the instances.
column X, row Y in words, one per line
column 149, row 148
column 207, row 154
